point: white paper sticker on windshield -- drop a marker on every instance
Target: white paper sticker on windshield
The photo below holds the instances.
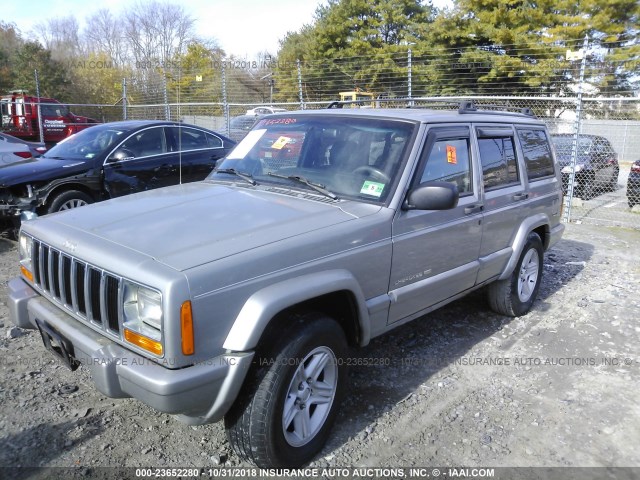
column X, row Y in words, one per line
column 372, row 188
column 247, row 143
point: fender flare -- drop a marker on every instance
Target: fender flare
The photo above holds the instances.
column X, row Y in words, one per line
column 526, row 227
column 72, row 183
column 261, row 307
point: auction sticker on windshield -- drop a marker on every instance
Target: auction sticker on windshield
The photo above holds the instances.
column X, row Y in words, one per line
column 372, row 188
column 280, row 143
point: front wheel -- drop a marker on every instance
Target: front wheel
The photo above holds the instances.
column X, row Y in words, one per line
column 285, row 411
column 515, row 295
column 68, row 200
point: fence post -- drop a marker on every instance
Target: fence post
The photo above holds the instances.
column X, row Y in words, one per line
column 167, row 111
column 124, row 98
column 409, row 77
column 300, row 85
column 35, row 73
column 577, row 126
column 225, row 105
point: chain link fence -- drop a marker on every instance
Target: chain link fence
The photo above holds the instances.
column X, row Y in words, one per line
column 595, row 127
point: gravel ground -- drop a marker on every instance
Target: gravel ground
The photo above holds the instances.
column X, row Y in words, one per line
column 463, row 386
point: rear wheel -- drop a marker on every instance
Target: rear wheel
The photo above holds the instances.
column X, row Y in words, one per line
column 285, row 411
column 515, row 295
column 68, row 200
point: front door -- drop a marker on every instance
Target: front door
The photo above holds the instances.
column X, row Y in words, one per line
column 141, row 162
column 435, row 253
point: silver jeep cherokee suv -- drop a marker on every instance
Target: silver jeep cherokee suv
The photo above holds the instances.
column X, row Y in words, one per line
column 237, row 297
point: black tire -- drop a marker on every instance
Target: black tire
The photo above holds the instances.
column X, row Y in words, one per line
column 68, row 200
column 255, row 423
column 587, row 190
column 515, row 295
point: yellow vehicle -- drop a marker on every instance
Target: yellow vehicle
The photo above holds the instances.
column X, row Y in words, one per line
column 365, row 99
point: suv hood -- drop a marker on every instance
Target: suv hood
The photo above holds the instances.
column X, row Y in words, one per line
column 189, row 225
column 40, row 169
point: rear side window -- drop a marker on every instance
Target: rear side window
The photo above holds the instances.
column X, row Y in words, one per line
column 537, row 153
column 499, row 164
column 214, row 142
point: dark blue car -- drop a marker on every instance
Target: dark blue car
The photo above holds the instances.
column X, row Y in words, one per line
column 109, row 160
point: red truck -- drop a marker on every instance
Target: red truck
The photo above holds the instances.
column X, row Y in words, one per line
column 20, row 118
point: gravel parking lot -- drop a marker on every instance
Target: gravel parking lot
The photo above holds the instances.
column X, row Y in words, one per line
column 461, row 387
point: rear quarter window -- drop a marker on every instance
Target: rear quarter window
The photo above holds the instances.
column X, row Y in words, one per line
column 537, row 153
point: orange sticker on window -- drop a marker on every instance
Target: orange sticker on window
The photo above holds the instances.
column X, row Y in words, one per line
column 451, row 154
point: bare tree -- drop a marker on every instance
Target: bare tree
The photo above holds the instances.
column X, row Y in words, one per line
column 158, row 31
column 103, row 34
column 60, row 35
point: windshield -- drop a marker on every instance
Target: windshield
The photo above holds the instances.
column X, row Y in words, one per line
column 358, row 158
column 86, row 144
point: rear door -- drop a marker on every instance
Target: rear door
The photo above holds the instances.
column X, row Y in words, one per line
column 435, row 253
column 504, row 196
column 197, row 152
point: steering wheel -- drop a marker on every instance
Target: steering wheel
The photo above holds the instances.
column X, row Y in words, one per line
column 373, row 173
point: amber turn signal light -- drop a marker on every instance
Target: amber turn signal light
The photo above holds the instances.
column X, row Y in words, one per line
column 27, row 274
column 186, row 328
column 143, row 342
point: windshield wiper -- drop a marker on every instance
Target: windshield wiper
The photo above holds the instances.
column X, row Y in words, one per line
column 315, row 186
column 245, row 176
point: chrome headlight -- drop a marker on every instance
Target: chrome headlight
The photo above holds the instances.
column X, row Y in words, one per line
column 142, row 310
column 25, row 250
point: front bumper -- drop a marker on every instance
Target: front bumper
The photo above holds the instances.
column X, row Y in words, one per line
column 11, row 207
column 198, row 394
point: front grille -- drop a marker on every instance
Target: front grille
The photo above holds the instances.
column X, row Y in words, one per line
column 87, row 291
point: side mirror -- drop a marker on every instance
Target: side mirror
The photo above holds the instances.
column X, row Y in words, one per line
column 432, row 196
column 121, row 154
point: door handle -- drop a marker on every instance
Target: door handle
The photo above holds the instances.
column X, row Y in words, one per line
column 473, row 209
column 520, row 196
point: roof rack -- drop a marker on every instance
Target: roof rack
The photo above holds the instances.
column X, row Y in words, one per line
column 468, row 107
column 435, row 102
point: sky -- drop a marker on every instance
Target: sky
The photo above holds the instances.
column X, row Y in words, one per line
column 242, row 28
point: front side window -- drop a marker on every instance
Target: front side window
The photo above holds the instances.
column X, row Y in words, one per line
column 448, row 161
column 499, row 164
column 352, row 157
column 145, row 143
column 537, row 153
